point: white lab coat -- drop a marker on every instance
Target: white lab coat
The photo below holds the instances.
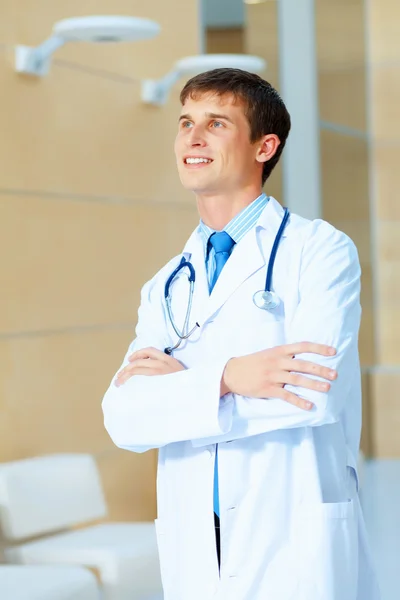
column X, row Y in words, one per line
column 291, row 522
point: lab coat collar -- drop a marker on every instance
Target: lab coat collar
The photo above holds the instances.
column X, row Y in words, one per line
column 248, row 257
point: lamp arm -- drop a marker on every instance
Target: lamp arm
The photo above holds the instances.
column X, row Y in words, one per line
column 42, row 53
column 169, row 80
column 155, row 91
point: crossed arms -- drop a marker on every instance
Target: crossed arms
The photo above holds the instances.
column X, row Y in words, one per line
column 153, row 400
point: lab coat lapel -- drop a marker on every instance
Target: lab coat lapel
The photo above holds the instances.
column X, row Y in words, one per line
column 251, row 254
column 194, row 251
column 245, row 260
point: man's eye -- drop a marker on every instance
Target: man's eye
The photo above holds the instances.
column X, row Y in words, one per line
column 186, row 124
column 217, row 124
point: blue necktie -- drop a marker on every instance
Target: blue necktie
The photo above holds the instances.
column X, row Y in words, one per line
column 222, row 244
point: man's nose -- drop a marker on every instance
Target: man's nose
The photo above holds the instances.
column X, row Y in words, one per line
column 196, row 137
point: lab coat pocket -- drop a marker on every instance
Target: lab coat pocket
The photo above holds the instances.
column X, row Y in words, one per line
column 328, row 551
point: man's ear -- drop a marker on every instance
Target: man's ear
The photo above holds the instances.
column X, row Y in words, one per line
column 267, row 147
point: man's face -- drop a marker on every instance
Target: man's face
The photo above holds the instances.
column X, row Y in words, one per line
column 213, row 149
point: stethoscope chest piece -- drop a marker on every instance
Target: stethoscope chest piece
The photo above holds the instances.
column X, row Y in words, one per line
column 266, row 300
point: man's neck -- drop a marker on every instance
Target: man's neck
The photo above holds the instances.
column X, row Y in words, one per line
column 217, row 210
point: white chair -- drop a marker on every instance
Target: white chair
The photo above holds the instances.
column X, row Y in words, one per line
column 44, row 495
column 34, row 582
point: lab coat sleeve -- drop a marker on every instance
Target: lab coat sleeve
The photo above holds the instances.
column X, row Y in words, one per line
column 328, row 313
column 149, row 412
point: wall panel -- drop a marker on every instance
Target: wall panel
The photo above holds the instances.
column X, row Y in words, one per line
column 225, row 41
column 344, row 165
column 340, row 33
column 384, row 93
column 386, row 160
column 342, row 97
column 261, row 37
column 122, row 475
column 78, row 263
column 78, row 134
column 384, row 18
column 342, row 74
column 385, row 413
column 52, row 387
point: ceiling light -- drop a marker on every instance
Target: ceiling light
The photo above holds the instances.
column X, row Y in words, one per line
column 98, row 29
column 156, row 91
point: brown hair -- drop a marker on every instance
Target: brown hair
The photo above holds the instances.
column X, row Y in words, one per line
column 263, row 106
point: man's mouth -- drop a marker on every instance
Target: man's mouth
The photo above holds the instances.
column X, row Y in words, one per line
column 197, row 160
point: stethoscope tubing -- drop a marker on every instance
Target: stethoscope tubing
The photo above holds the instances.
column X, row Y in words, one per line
column 182, row 264
column 270, row 270
column 184, row 334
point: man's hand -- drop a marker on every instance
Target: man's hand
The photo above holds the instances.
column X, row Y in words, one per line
column 264, row 374
column 148, row 361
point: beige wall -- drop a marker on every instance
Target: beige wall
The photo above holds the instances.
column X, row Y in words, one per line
column 383, row 18
column 225, row 41
column 359, row 77
column 341, row 55
column 87, row 178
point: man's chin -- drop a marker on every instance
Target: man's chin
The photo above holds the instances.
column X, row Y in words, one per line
column 195, row 185
column 201, row 190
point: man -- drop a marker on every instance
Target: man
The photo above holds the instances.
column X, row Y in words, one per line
column 257, row 413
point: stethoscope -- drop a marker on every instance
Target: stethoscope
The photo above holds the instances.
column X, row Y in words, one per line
column 265, row 299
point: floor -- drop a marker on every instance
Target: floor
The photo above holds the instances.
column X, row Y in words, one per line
column 380, row 498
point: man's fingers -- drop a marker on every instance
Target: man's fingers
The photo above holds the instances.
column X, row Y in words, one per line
column 145, row 363
column 123, row 377
column 308, row 347
column 148, row 353
column 306, row 382
column 142, row 363
column 139, row 355
column 139, row 371
column 293, row 399
column 304, row 366
column 139, row 367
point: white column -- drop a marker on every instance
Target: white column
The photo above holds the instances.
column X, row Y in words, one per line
column 299, row 90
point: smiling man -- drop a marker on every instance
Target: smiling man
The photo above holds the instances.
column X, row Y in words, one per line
column 245, row 373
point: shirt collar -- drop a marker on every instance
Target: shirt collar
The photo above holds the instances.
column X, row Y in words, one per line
column 240, row 224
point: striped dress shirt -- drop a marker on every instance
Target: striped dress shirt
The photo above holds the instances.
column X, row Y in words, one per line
column 237, row 229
